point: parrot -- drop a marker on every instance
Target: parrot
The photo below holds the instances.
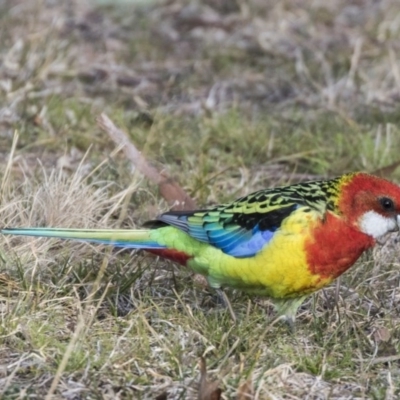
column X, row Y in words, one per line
column 284, row 243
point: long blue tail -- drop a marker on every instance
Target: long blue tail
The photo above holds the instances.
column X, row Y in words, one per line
column 130, row 238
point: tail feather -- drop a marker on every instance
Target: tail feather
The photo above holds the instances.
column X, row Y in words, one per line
column 130, row 238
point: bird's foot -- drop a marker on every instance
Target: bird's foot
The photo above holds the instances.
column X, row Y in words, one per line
column 287, row 308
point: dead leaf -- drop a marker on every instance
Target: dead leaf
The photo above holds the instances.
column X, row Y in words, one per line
column 246, row 390
column 174, row 194
column 207, row 390
column 162, row 396
column 201, row 281
column 382, row 335
column 176, row 197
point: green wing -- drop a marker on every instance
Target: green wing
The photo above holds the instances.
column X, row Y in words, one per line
column 242, row 228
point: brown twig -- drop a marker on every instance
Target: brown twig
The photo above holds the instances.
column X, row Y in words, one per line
column 175, row 196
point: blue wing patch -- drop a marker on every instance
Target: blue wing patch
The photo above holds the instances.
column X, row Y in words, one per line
column 252, row 246
column 238, row 234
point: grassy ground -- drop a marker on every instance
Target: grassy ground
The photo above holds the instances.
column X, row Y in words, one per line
column 228, row 97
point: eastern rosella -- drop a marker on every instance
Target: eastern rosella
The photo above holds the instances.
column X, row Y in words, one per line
column 284, row 243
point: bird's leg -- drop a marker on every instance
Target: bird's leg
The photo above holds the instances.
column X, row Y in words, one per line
column 225, row 300
column 290, row 321
column 288, row 309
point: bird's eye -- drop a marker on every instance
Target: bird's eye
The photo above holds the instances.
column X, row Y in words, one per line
column 387, row 204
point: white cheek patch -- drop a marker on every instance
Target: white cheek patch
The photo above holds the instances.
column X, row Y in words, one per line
column 376, row 225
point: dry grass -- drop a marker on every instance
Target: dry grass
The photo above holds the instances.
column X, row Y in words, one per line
column 228, row 96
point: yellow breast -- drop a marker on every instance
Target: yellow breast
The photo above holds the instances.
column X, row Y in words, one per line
column 279, row 270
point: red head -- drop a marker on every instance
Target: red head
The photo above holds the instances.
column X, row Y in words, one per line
column 370, row 203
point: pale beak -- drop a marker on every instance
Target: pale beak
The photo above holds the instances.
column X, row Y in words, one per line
column 398, row 222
